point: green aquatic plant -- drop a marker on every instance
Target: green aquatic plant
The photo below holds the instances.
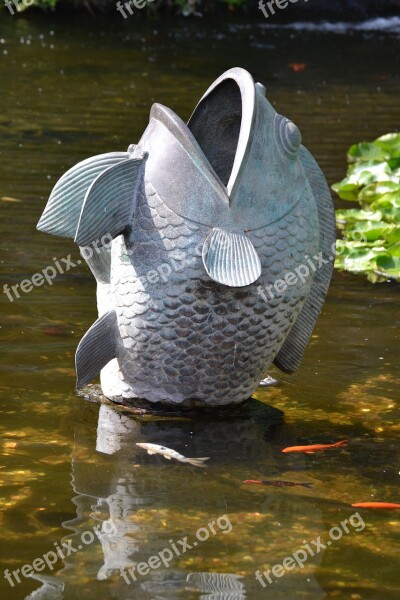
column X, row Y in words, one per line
column 371, row 233
column 184, row 7
column 19, row 6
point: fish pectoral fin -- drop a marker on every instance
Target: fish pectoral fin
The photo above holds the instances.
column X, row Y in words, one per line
column 110, row 202
column 230, row 258
column 96, row 348
column 63, row 209
column 167, row 457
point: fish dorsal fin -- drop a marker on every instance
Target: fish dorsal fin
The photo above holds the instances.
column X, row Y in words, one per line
column 61, row 215
column 96, row 348
column 230, row 258
column 289, row 357
column 109, row 202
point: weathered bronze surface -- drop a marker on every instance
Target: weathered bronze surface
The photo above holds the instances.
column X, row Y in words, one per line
column 212, row 244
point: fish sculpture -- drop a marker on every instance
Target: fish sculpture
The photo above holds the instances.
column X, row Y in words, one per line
column 212, row 245
column 313, row 448
column 168, row 453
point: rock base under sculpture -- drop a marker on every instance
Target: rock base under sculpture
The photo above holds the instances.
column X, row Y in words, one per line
column 142, row 408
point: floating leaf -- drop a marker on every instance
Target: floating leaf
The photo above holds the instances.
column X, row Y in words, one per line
column 394, row 236
column 389, row 265
column 389, row 199
column 375, row 190
column 389, row 143
column 372, row 230
column 358, row 260
column 389, row 206
column 394, row 164
column 391, row 214
column 366, row 172
column 368, row 151
column 395, row 249
column 352, row 215
column 346, row 190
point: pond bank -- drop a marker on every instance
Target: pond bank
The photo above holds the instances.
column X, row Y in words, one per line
column 276, row 10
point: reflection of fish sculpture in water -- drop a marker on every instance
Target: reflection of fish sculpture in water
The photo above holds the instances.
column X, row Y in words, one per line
column 218, row 586
column 221, row 256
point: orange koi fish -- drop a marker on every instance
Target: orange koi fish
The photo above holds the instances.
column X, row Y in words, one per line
column 314, row 448
column 297, row 67
column 377, row 505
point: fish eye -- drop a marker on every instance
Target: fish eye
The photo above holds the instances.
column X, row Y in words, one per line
column 287, row 135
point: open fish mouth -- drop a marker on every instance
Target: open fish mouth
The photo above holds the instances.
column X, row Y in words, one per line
column 216, row 125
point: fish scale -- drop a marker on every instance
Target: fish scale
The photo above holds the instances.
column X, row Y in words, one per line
column 215, row 343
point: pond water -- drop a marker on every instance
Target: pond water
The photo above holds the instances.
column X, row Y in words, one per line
column 74, row 87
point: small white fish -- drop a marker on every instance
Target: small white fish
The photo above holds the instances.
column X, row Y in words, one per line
column 168, row 453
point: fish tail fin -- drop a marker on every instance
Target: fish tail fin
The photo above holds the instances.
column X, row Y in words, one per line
column 197, row 462
column 341, row 443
